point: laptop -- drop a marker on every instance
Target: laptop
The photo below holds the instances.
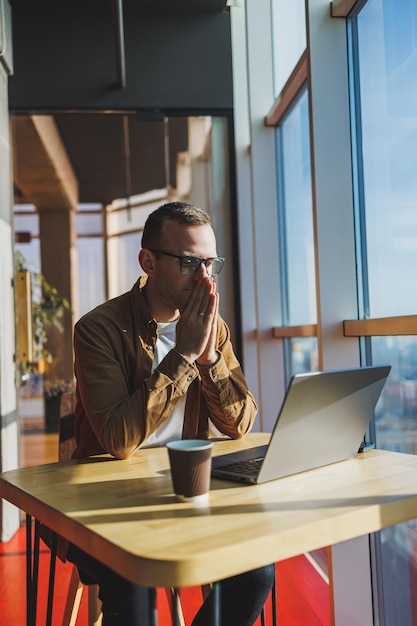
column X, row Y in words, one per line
column 322, row 420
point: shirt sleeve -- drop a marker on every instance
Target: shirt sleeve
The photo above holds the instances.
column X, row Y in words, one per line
column 121, row 400
column 232, row 407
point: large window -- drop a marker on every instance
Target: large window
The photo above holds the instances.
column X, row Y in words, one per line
column 383, row 40
column 386, row 138
column 387, row 53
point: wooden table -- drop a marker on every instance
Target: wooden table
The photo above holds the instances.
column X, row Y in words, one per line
column 124, row 513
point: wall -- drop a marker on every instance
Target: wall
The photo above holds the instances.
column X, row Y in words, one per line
column 256, row 201
column 9, row 516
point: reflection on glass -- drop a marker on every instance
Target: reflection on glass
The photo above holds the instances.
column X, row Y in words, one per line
column 303, row 355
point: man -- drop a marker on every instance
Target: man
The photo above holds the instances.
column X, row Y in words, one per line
column 156, row 364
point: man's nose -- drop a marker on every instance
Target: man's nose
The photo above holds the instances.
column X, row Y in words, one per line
column 202, row 271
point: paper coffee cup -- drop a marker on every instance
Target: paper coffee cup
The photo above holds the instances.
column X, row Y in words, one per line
column 190, row 461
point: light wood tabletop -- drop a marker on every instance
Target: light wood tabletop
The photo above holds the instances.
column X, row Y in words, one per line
column 125, row 514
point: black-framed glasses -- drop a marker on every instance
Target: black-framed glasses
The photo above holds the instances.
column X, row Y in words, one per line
column 191, row 264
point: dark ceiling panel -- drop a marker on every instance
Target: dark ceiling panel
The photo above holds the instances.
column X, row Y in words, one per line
column 99, row 154
column 149, row 6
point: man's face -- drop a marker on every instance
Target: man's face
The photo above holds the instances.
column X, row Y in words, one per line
column 171, row 286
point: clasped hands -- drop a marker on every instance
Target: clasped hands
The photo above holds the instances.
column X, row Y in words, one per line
column 197, row 326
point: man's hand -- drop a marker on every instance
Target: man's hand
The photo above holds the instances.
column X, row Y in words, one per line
column 209, row 355
column 197, row 326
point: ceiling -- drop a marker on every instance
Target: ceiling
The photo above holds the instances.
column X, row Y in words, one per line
column 154, row 6
column 112, row 155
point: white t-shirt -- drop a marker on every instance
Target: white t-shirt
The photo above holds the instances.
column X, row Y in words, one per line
column 172, row 428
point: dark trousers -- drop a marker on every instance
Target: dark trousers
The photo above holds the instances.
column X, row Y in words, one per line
column 127, row 604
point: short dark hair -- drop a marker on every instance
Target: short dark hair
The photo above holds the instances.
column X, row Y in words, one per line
column 180, row 212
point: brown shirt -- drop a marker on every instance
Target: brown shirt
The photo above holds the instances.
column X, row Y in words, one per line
column 120, row 403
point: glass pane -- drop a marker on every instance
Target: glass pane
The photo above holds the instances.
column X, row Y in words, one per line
column 289, row 38
column 124, row 267
column 24, row 223
column 303, row 355
column 90, row 206
column 395, row 429
column 91, row 287
column 130, row 219
column 27, row 223
column 89, row 224
column 24, row 208
column 297, row 216
column 396, row 413
column 31, row 253
column 387, row 53
column 398, row 561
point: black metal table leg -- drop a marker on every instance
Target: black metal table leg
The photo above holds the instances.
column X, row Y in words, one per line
column 216, row 616
column 51, row 584
column 274, row 603
column 274, row 612
column 34, row 577
column 28, row 568
column 153, row 609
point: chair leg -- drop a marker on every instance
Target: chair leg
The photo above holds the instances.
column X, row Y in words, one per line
column 72, row 603
column 73, row 600
column 95, row 615
column 206, row 591
column 174, row 606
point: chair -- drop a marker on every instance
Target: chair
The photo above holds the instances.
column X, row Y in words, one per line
column 66, row 448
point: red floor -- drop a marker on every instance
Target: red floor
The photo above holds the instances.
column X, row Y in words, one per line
column 302, row 594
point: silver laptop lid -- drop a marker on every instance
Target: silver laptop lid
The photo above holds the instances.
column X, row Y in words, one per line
column 323, row 419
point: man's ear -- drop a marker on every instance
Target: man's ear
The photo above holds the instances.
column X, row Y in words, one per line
column 147, row 261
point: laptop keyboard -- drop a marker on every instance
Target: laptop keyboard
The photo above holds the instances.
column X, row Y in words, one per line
column 249, row 467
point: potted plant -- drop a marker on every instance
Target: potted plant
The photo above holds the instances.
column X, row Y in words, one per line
column 48, row 307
